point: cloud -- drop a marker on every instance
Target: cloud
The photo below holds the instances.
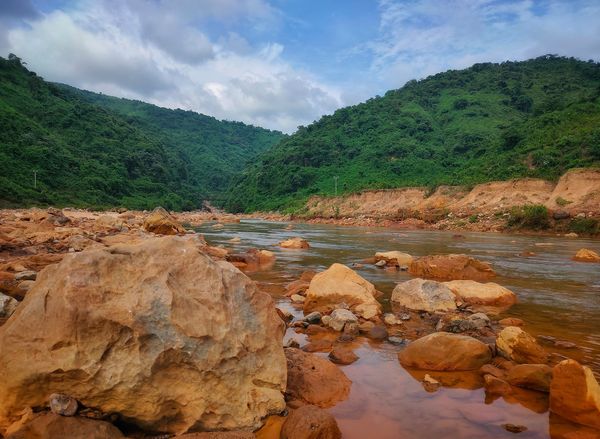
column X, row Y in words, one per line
column 423, row 37
column 164, row 55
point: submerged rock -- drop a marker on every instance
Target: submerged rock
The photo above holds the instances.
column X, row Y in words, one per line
column 443, row 351
column 515, row 344
column 424, row 295
column 586, row 255
column 340, row 284
column 161, row 222
column 451, row 267
column 310, row 422
column 486, row 294
column 342, row 355
column 314, row 380
column 297, row 243
column 575, row 393
column 395, row 258
column 143, row 331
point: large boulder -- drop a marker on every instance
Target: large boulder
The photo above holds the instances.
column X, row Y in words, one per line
column 451, row 267
column 488, row 294
column 531, row 376
column 161, row 222
column 340, row 284
column 575, row 393
column 515, row 344
column 586, row 255
column 310, row 422
column 394, row 258
column 51, row 426
column 314, row 380
column 156, row 332
column 443, row 351
column 424, row 295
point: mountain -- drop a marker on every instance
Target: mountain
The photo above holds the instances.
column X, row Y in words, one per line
column 535, row 118
column 93, row 150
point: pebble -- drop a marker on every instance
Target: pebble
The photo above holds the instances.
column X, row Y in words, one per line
column 514, row 428
column 313, row 317
column 297, row 298
column 399, row 341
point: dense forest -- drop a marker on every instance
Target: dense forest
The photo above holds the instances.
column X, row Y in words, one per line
column 535, row 118
column 63, row 146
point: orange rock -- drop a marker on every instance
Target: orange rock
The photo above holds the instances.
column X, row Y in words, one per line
column 575, row 393
column 142, row 331
column 340, row 284
column 444, row 351
column 162, row 223
column 586, row 255
column 515, row 344
column 51, row 426
column 297, row 243
column 451, row 267
column 487, row 294
column 310, row 422
column 314, row 380
column 496, row 386
column 531, row 376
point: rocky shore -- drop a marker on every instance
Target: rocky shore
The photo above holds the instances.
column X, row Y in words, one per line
column 129, row 324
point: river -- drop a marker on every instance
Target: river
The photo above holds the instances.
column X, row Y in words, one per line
column 557, row 297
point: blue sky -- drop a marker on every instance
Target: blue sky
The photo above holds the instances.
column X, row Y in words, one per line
column 281, row 63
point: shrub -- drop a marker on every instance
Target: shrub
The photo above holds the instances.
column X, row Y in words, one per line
column 562, row 202
column 533, row 216
column 589, row 226
column 473, row 219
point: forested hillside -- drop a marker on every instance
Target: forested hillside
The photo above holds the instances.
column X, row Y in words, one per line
column 97, row 151
column 534, row 118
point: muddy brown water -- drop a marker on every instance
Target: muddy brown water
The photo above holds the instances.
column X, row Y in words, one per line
column 557, row 297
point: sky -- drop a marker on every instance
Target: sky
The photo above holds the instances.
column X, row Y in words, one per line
column 280, row 64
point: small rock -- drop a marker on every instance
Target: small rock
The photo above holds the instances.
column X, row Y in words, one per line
column 586, row 255
column 365, row 327
column 340, row 317
column 381, row 264
column 515, row 344
column 514, row 428
column 295, row 243
column 313, row 317
column 565, row 344
column 297, row 298
column 398, row 341
column 342, row 355
column 310, row 422
column 25, row 275
column 430, row 384
column 561, row 214
column 326, row 320
column 405, row 316
column 490, row 369
column 531, row 376
column 63, row 405
column 480, row 320
column 8, row 305
column 318, row 346
column 572, row 235
column 391, row 319
column 378, row 332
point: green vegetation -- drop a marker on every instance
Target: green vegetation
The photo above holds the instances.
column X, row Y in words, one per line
column 532, row 217
column 536, row 118
column 587, row 226
column 562, row 202
column 93, row 150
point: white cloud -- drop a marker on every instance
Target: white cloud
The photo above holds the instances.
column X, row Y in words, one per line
column 423, row 37
column 157, row 53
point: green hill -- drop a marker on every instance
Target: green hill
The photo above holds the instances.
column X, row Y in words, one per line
column 534, row 118
column 98, row 151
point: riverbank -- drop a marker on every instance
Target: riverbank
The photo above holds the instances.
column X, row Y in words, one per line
column 572, row 205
